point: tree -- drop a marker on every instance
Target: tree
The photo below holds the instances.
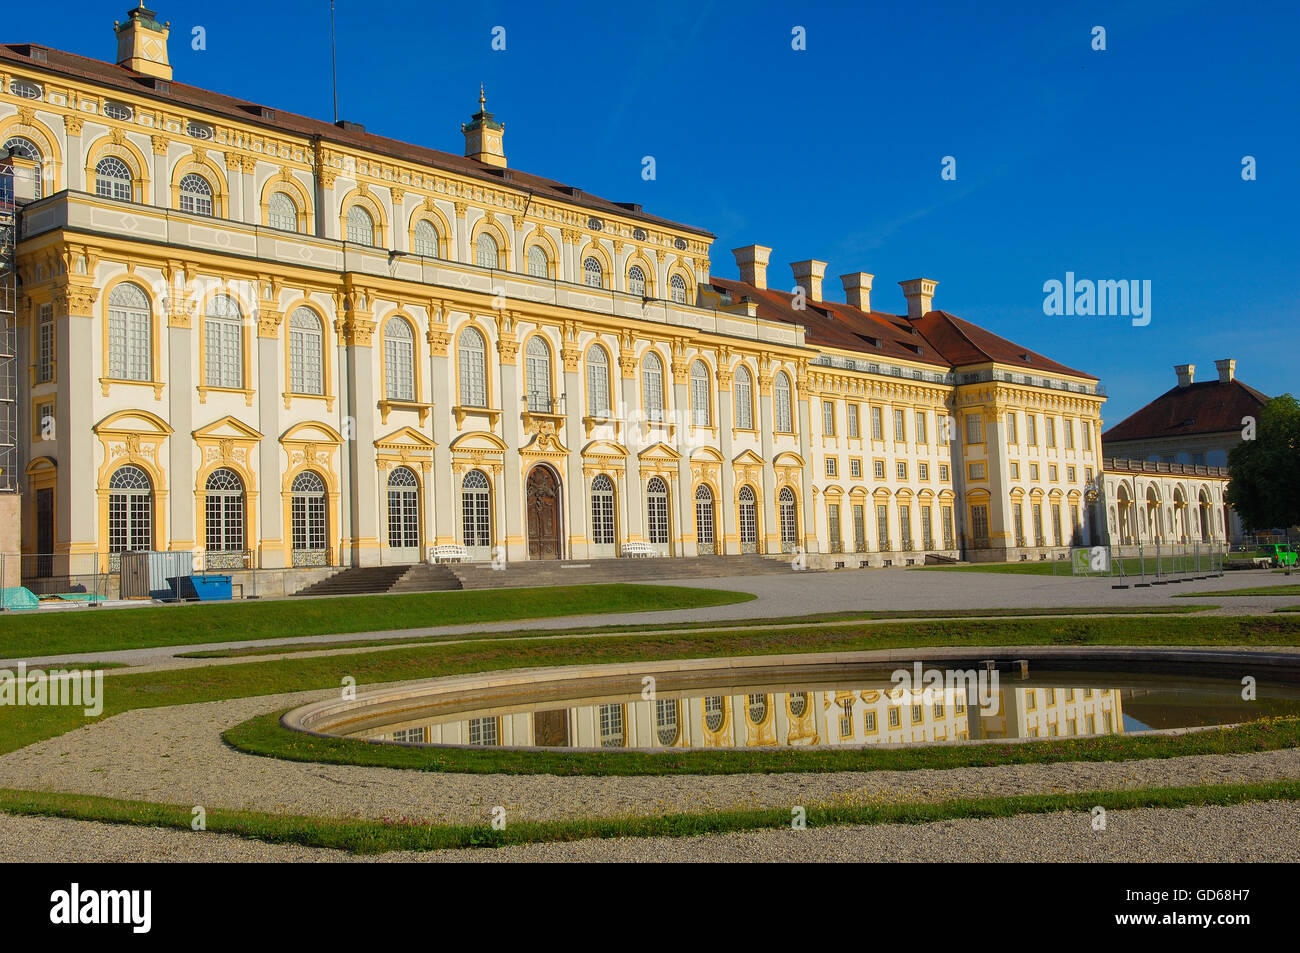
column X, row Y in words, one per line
column 1264, row 472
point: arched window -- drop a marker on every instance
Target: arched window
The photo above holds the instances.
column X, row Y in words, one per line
column 602, row 511
column 403, row 510
column 592, row 273
column 282, row 212
column 652, row 386
column 598, row 382
column 426, row 241
column 473, row 368
column 700, row 405
column 611, row 726
column 636, row 281
column 678, row 287
column 223, row 339
column 113, row 179
column 195, row 194
column 704, row 519
column 715, row 713
column 306, row 353
column 308, row 521
column 130, row 334
column 361, row 227
column 539, row 266
column 537, row 375
column 657, row 511
column 399, row 359
column 27, row 149
column 748, row 520
column 476, row 510
column 486, row 252
column 744, row 389
column 756, row 709
column 130, row 511
column 789, row 516
column 223, row 512
column 666, row 721
column 781, row 396
column 797, row 704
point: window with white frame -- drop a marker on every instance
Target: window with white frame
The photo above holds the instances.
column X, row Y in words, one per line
column 781, row 397
column 636, row 281
column 598, row 382
column 130, row 334
column 877, row 424
column 878, row 469
column 113, row 179
column 922, row 434
column 426, row 239
column 1068, row 425
column 592, row 274
column 974, row 428
column 700, row 404
column 539, row 266
column 678, row 287
column 486, row 252
column 744, row 392
column 652, row 386
column 900, row 426
column 282, row 212
column 1011, row 428
column 399, row 359
column 852, row 413
column 537, row 375
column 1031, row 429
column 195, row 194
column 472, row 358
column 855, row 468
column 828, row 418
column 223, row 337
column 306, row 353
column 361, row 226
column 45, row 344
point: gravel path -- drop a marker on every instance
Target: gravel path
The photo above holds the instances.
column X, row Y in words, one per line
column 176, row 755
column 1257, row 831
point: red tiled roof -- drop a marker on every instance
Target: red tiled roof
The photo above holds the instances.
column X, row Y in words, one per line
column 110, row 75
column 1206, row 407
column 943, row 339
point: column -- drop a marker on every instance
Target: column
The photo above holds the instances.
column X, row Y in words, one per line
column 728, row 533
column 442, row 501
column 401, row 239
column 685, row 498
column 77, row 517
column 180, row 400
column 359, row 452
column 807, row 504
column 162, row 179
column 510, row 487
column 271, row 548
column 771, row 528
column 576, row 495
column 633, row 490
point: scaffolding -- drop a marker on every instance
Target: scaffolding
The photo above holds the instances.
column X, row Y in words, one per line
column 9, row 462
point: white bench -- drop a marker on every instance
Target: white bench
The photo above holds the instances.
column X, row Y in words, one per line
column 449, row 553
column 639, row 548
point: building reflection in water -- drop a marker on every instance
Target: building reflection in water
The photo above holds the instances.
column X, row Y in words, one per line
column 763, row 719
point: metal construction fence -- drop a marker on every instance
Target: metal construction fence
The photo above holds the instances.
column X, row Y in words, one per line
column 1144, row 563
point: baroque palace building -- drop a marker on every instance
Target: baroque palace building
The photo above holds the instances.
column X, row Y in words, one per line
column 279, row 342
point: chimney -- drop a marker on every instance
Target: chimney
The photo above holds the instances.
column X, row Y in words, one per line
column 1186, row 373
column 142, row 43
column 483, row 135
column 857, row 289
column 1227, row 369
column 808, row 276
column 919, row 293
column 752, row 262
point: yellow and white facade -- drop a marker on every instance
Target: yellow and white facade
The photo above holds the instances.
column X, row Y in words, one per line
column 282, row 343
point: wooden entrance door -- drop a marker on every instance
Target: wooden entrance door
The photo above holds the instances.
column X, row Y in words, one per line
column 543, row 514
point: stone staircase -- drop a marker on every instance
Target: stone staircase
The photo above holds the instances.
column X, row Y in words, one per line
column 556, row 572
column 541, row 572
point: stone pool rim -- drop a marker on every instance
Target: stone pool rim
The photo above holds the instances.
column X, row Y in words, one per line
column 1230, row 663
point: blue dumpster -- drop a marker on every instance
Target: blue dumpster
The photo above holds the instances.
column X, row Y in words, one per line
column 206, row 588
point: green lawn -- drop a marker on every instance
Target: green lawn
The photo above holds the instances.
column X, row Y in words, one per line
column 98, row 630
column 1288, row 590
column 832, row 617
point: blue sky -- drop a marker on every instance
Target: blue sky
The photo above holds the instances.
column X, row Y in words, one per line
column 1122, row 164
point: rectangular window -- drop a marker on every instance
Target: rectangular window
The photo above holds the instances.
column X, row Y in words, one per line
column 1039, row 539
column 831, row 466
column 1015, row 471
column 923, row 471
column 977, row 471
column 1011, row 428
column 878, row 468
column 1033, row 471
column 905, row 526
column 833, row 524
column 1051, row 431
column 895, row 718
column 927, row 527
column 1087, row 474
column 1031, row 429
column 947, row 527
column 44, row 420
column 1051, row 473
column 852, row 410
column 870, row 721
column 859, row 528
column 1086, row 428
column 1056, row 525
column 828, row 418
column 882, row 526
column 1018, row 514
column 900, row 430
column 877, row 426
column 922, row 432
column 943, row 473
column 45, row 366
column 902, row 470
column 855, row 468
column 979, row 522
column 1068, row 424
column 974, row 428
column 224, row 343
